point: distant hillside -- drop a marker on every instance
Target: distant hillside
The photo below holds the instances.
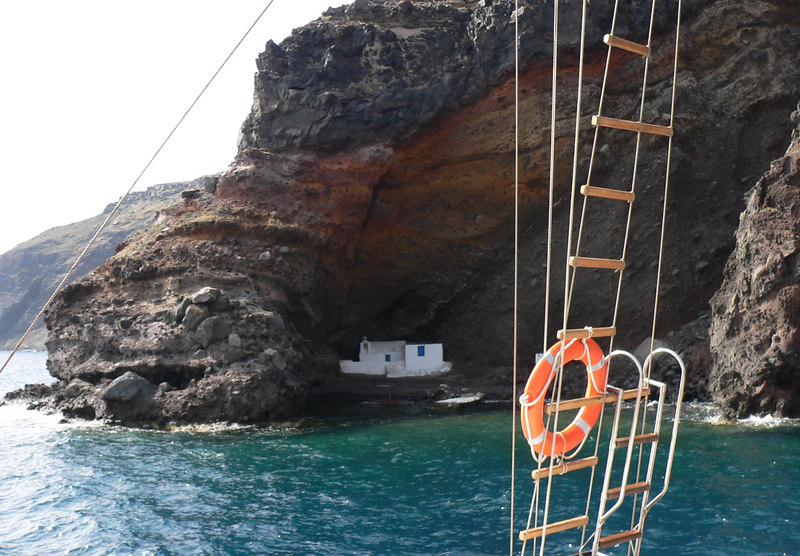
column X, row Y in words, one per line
column 30, row 271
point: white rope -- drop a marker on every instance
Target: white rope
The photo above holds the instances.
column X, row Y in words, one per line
column 643, row 421
column 636, row 159
column 663, row 225
column 116, row 208
column 548, row 272
column 516, row 277
column 595, row 140
column 551, row 182
column 539, row 459
column 666, row 180
column 569, row 279
column 531, row 515
column 584, row 539
column 546, row 513
column 536, row 489
column 570, row 273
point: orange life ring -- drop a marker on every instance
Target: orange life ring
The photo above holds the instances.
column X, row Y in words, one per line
column 542, row 441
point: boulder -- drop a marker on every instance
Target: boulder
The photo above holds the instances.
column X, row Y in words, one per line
column 275, row 319
column 76, row 387
column 180, row 310
column 210, row 184
column 212, row 329
column 165, row 387
column 276, row 358
column 127, row 387
column 195, row 314
column 643, row 350
column 205, row 295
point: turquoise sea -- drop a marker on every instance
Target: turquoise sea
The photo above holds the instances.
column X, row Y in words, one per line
column 377, row 481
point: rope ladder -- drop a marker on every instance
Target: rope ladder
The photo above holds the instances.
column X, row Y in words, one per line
column 637, row 471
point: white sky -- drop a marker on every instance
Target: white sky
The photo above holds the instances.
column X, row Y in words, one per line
column 90, row 88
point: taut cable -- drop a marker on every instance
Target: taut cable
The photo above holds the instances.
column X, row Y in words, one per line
column 116, row 208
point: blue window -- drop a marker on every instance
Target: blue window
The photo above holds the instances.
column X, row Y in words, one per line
column 420, row 351
column 388, row 357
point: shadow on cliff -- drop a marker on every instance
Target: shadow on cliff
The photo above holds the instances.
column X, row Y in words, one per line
column 372, row 196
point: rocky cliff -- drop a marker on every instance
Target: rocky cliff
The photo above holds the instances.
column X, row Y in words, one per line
column 372, row 196
column 30, row 272
column 755, row 334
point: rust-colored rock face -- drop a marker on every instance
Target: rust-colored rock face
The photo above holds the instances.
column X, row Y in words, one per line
column 755, row 333
column 373, row 195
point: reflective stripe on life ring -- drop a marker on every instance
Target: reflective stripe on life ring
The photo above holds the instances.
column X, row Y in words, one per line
column 555, row 444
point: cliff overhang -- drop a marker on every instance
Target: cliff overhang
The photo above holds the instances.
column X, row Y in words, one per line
column 372, row 195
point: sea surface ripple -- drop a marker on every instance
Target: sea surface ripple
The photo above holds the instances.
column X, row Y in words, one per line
column 376, row 482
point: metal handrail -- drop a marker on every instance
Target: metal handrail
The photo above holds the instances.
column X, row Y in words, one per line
column 675, row 423
column 602, row 514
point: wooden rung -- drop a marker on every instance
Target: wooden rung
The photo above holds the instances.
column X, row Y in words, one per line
column 609, row 397
column 602, row 121
column 619, row 538
column 591, row 262
column 537, row 532
column 602, row 332
column 605, row 193
column 634, row 488
column 624, row 44
column 647, row 438
column 574, row 465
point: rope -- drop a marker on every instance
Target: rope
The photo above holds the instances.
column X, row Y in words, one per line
column 584, row 539
column 551, row 184
column 559, row 384
column 595, row 140
column 666, row 180
column 640, row 451
column 550, row 204
column 575, row 240
column 116, row 208
column 635, row 161
column 663, row 222
column 516, row 277
column 539, row 459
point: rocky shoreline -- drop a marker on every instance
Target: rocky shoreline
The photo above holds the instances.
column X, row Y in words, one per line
column 371, row 196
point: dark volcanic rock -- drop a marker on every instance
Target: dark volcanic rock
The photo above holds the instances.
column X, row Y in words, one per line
column 156, row 371
column 193, row 316
column 755, row 333
column 125, row 388
column 380, row 71
column 212, row 330
column 371, row 195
